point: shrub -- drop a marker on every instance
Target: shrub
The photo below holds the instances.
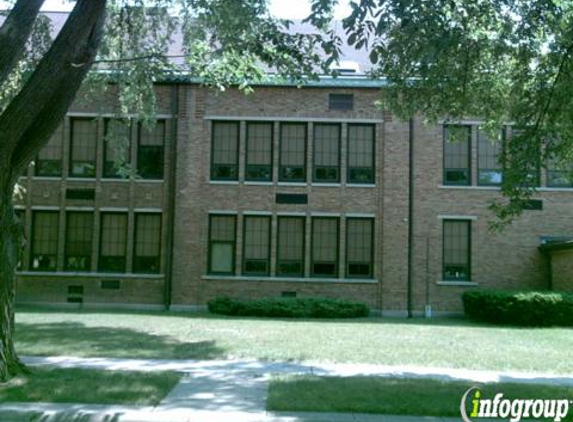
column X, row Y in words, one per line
column 520, row 308
column 289, row 308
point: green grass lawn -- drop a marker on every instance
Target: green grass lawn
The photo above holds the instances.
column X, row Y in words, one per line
column 392, row 396
column 439, row 342
column 89, row 387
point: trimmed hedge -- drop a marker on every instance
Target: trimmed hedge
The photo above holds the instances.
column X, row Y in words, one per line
column 540, row 309
column 289, row 308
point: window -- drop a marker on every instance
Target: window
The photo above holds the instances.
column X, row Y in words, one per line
column 326, row 153
column 256, row 245
column 359, row 247
column 113, row 240
column 293, row 152
column 49, row 160
column 361, row 154
column 150, row 151
column 290, row 251
column 147, row 244
column 457, row 250
column 324, row 247
column 342, row 102
column 79, row 232
column 559, row 176
column 528, row 170
column 457, row 155
column 21, row 216
column 222, row 238
column 116, row 147
column 83, row 144
column 489, row 167
column 259, row 159
column 225, row 151
column 44, row 250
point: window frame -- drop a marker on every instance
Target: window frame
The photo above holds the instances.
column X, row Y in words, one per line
column 212, row 154
column 303, row 260
column 280, row 152
column 233, row 244
column 244, row 271
column 33, row 237
column 71, row 160
column 469, row 153
column 59, row 133
column 312, row 247
column 100, row 267
column 160, row 243
column 141, row 147
column 372, row 252
column 105, row 174
column 468, row 222
column 348, row 166
column 500, row 158
column 89, row 267
column 270, row 165
column 314, row 155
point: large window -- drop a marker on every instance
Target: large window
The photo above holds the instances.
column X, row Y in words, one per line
column 457, row 155
column 259, row 159
column 147, row 245
column 222, row 238
column 256, row 245
column 326, row 153
column 360, row 154
column 290, row 251
column 558, row 175
column 79, row 235
column 359, row 247
column 49, row 160
column 225, row 151
column 457, row 250
column 44, row 250
column 83, row 145
column 113, row 241
column 490, row 171
column 293, row 152
column 116, row 147
column 21, row 216
column 324, row 247
column 150, row 151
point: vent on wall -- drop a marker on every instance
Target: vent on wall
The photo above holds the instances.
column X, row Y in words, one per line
column 88, row 194
column 110, row 284
column 341, row 102
column 75, row 294
column 288, row 294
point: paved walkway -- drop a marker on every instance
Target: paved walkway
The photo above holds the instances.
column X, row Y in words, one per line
column 234, row 391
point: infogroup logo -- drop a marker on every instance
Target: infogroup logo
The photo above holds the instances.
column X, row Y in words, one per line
column 512, row 409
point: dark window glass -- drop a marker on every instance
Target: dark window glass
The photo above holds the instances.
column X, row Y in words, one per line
column 326, row 153
column 113, row 241
column 293, row 152
column 116, row 148
column 150, row 151
column 343, row 102
column 529, row 171
column 559, row 173
column 259, row 159
column 222, row 238
column 49, row 160
column 457, row 250
column 324, row 247
column 359, row 245
column 257, row 245
column 44, row 250
column 79, row 232
column 147, row 248
column 457, row 148
column 490, row 171
column 290, row 251
column 225, row 151
column 21, row 216
column 360, row 154
column 83, row 144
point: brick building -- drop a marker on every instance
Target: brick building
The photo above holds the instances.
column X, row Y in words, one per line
column 310, row 191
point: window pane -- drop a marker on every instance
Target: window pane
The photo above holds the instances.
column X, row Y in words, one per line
column 113, row 242
column 147, row 251
column 150, row 151
column 489, row 153
column 325, row 247
column 361, row 154
column 44, row 248
column 293, row 152
column 224, row 160
column 117, row 140
column 222, row 258
column 79, row 232
column 222, row 232
column 456, row 250
column 457, row 155
column 326, row 153
column 359, row 241
column 256, row 250
column 49, row 161
column 259, row 151
column 290, row 261
column 83, row 147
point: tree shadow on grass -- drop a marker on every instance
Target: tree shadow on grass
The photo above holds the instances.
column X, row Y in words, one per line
column 75, row 339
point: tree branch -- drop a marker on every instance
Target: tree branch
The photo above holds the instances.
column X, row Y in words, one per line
column 14, row 34
column 134, row 59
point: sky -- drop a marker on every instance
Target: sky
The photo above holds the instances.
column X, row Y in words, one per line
column 287, row 9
